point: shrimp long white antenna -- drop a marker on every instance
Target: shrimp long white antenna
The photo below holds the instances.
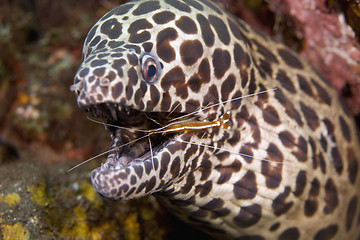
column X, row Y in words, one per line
column 226, row 150
column 171, row 122
column 88, row 160
column 119, row 127
column 108, row 151
column 151, row 131
column 151, row 154
column 219, row 103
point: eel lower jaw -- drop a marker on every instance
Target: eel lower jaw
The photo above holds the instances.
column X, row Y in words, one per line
column 129, row 175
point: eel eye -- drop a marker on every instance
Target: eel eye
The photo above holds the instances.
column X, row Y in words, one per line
column 150, row 68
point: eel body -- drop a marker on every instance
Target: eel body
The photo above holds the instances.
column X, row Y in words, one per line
column 232, row 131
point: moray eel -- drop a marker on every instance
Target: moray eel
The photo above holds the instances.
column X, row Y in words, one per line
column 230, row 130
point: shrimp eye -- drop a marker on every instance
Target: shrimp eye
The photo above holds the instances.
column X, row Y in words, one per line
column 150, row 68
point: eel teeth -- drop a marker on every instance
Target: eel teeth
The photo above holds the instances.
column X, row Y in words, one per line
column 112, row 111
column 102, row 167
column 76, row 87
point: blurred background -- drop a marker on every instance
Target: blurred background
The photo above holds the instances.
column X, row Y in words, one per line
column 41, row 43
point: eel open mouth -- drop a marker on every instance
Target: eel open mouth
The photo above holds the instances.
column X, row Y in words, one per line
column 140, row 149
column 136, row 136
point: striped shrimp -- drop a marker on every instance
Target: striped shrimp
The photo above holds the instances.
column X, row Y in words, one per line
column 180, row 124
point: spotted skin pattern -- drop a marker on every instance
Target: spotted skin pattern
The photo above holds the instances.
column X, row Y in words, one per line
column 297, row 172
